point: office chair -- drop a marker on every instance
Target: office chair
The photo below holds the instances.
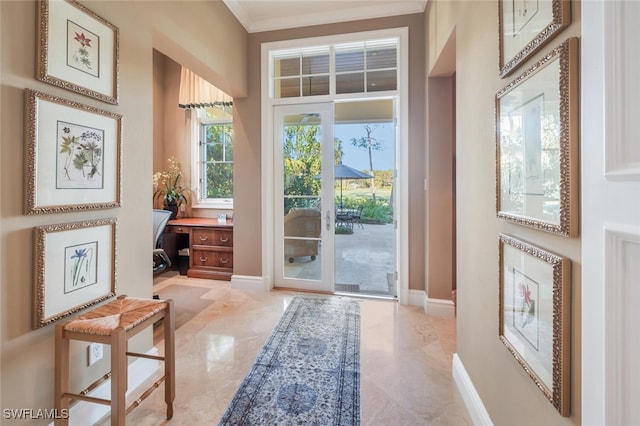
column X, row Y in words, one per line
column 161, row 260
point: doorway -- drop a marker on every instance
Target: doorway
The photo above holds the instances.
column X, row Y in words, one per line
column 308, row 71
column 303, row 212
column 335, row 173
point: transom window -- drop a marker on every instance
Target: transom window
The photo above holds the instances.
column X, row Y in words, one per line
column 361, row 67
column 215, row 156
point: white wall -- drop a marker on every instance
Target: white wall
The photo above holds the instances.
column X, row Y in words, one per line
column 610, row 212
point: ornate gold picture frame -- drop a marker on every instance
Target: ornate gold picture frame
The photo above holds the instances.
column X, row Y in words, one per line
column 534, row 318
column 525, row 26
column 537, row 144
column 77, row 50
column 72, row 155
column 74, row 268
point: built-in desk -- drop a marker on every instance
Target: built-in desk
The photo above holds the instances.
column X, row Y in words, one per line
column 210, row 246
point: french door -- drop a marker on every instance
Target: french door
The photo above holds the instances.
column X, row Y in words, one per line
column 304, row 194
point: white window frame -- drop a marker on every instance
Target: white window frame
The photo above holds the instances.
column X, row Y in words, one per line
column 198, row 144
column 331, row 48
column 267, row 156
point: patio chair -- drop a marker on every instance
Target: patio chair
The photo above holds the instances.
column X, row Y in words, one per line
column 356, row 215
column 303, row 223
column 344, row 218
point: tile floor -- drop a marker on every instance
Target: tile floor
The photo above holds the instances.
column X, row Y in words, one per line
column 405, row 359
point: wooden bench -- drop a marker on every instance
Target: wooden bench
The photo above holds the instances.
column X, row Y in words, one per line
column 114, row 324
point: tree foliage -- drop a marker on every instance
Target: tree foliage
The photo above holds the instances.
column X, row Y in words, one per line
column 218, row 162
column 301, row 152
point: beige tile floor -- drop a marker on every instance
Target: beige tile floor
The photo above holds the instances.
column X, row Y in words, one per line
column 405, row 359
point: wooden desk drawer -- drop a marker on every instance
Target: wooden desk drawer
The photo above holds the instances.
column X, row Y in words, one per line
column 212, row 258
column 177, row 229
column 213, row 237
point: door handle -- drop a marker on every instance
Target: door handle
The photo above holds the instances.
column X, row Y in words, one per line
column 328, row 220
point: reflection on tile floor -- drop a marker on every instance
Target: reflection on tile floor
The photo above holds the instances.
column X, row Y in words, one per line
column 405, row 359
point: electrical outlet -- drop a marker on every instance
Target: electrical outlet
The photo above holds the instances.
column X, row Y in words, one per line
column 94, row 352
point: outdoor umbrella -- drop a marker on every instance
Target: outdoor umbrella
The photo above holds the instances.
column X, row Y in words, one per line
column 342, row 171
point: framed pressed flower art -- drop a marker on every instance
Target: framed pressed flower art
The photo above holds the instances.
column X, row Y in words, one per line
column 537, row 144
column 72, row 155
column 534, row 317
column 75, row 267
column 526, row 26
column 77, row 50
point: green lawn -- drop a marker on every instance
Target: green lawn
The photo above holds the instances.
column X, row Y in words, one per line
column 382, row 194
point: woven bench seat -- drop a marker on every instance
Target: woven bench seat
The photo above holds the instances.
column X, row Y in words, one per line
column 126, row 312
column 113, row 324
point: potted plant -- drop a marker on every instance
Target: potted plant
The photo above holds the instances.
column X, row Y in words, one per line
column 167, row 187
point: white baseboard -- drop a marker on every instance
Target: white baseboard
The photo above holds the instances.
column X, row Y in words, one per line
column 247, row 282
column 86, row 413
column 470, row 396
column 435, row 307
column 441, row 308
column 418, row 298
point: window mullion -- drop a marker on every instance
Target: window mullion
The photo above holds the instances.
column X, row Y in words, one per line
column 366, row 86
column 332, row 70
column 300, row 82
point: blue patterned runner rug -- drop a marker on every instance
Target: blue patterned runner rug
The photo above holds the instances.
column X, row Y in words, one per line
column 308, row 372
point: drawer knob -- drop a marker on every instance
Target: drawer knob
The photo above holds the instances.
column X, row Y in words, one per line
column 203, row 238
column 224, row 261
column 203, row 259
column 224, row 239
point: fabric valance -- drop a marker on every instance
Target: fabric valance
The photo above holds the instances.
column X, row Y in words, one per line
column 196, row 92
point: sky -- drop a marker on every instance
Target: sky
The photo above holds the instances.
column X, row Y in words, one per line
column 358, row 158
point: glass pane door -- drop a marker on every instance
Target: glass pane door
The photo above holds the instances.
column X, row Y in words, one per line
column 365, row 234
column 303, row 135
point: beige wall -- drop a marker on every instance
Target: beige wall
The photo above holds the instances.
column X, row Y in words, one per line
column 187, row 30
column 171, row 125
column 507, row 392
column 440, row 151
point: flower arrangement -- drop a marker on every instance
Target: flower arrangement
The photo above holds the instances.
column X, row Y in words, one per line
column 167, row 185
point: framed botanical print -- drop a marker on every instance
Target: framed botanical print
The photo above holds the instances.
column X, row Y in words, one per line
column 534, row 318
column 77, row 50
column 525, row 26
column 537, row 144
column 75, row 267
column 72, row 155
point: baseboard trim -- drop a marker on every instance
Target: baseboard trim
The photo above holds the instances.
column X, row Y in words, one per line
column 435, row 307
column 418, row 298
column 247, row 282
column 139, row 371
column 470, row 396
column 441, row 308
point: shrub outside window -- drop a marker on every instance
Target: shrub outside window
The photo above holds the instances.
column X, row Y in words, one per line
column 215, row 158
